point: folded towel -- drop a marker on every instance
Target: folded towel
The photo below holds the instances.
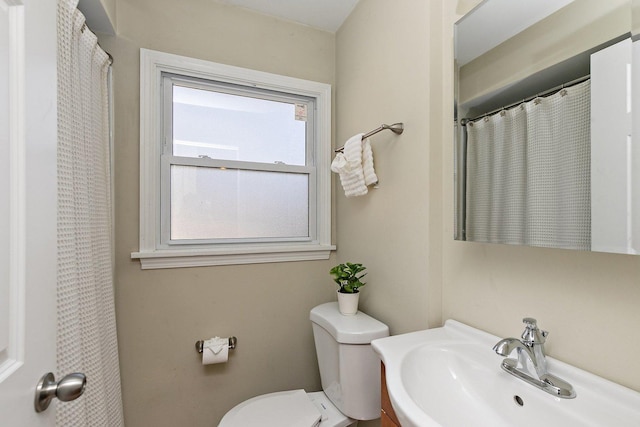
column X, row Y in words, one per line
column 370, row 176
column 355, row 166
column 349, row 165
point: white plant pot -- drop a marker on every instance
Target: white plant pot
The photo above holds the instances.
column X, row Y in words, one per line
column 348, row 303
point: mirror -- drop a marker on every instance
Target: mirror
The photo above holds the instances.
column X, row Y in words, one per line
column 529, row 68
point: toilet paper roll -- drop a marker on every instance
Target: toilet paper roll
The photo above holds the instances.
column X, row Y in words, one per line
column 215, row 350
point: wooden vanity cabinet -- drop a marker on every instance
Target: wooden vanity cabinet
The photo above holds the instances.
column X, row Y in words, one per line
column 387, row 414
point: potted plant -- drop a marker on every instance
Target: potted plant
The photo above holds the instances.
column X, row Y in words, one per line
column 348, row 277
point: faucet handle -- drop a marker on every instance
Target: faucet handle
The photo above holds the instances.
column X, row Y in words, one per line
column 531, row 334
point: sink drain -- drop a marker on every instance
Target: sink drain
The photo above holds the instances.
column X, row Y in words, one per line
column 518, row 400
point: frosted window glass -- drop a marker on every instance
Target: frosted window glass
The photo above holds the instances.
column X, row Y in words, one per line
column 212, row 203
column 233, row 127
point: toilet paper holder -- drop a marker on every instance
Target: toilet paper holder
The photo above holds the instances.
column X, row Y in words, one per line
column 232, row 344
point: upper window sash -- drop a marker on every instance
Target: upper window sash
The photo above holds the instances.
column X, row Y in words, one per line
column 171, row 80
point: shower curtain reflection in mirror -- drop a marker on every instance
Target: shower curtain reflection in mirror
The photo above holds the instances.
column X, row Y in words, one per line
column 528, row 173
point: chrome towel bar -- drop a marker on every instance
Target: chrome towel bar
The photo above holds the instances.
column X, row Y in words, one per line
column 396, row 128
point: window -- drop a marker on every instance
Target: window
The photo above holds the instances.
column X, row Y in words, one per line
column 234, row 165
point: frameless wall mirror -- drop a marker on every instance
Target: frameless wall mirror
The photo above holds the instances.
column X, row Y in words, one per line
column 547, row 120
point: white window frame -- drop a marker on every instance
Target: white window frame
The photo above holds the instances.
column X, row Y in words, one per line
column 153, row 254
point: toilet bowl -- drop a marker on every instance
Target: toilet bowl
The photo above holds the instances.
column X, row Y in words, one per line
column 349, row 372
column 292, row 408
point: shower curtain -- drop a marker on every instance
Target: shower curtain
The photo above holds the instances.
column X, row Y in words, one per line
column 528, row 173
column 86, row 328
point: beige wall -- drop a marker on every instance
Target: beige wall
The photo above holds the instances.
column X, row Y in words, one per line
column 110, row 9
column 161, row 313
column 392, row 63
column 384, row 75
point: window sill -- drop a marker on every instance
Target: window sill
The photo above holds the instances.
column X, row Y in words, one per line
column 171, row 258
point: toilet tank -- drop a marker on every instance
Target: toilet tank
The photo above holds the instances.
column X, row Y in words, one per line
column 349, row 368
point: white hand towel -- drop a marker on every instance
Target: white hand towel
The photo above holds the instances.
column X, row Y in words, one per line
column 370, row 176
column 349, row 165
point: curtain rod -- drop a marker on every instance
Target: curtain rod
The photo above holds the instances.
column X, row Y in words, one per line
column 396, row 128
column 548, row 92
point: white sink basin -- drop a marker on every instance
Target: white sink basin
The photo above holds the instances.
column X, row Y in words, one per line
column 451, row 377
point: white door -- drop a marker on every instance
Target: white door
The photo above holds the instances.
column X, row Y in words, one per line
column 27, row 207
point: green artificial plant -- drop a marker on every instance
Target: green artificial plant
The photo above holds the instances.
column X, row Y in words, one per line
column 348, row 276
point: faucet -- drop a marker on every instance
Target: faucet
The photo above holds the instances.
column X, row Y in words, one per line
column 531, row 348
column 531, row 357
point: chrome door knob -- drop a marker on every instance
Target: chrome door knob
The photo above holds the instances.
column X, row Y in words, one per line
column 69, row 388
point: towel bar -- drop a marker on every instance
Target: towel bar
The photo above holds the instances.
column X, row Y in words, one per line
column 396, row 128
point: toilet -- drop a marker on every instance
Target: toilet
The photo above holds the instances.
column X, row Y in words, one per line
column 349, row 371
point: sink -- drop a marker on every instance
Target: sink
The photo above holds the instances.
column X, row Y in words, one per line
column 451, row 377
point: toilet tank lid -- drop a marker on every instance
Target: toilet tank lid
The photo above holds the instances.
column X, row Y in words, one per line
column 359, row 328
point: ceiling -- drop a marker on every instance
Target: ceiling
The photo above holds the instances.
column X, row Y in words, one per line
column 326, row 15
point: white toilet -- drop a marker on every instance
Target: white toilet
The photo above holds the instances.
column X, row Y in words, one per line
column 350, row 374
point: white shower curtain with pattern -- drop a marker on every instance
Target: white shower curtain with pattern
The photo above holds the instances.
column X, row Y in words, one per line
column 528, row 173
column 86, row 330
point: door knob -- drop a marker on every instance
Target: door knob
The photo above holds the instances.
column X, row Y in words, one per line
column 69, row 388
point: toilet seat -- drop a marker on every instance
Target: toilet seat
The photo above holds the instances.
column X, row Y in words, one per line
column 292, row 408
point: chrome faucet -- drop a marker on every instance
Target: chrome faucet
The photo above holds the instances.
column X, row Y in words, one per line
column 530, row 349
column 531, row 364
